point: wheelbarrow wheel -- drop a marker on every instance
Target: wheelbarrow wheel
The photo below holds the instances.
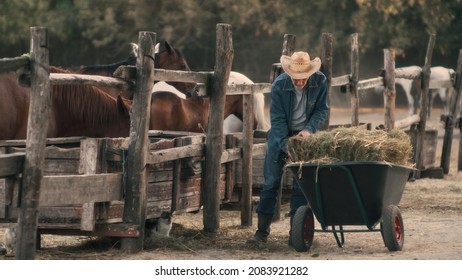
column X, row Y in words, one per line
column 392, row 228
column 302, row 229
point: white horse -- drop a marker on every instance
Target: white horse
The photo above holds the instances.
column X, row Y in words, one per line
column 437, row 73
column 232, row 123
column 445, row 94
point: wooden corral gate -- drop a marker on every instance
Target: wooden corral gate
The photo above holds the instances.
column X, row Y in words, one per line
column 112, row 186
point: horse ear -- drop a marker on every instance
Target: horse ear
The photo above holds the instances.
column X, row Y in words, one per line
column 169, row 48
column 134, row 49
column 123, row 106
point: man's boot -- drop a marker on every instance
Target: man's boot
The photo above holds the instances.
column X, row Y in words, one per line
column 263, row 230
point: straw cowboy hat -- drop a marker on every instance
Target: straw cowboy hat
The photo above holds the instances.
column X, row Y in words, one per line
column 299, row 65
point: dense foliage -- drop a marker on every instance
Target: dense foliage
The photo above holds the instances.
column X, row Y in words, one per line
column 90, row 32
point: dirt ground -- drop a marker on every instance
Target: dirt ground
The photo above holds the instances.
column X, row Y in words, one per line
column 431, row 210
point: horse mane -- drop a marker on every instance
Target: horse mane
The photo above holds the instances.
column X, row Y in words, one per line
column 87, row 103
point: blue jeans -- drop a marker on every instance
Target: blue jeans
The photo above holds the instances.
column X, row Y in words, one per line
column 272, row 171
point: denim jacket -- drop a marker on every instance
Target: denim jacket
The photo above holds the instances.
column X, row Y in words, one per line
column 282, row 96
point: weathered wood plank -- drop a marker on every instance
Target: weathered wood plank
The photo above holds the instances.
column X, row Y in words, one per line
column 88, row 217
column 389, row 93
column 90, row 156
column 231, row 154
column 326, row 68
column 114, row 230
column 354, row 67
column 53, row 152
column 2, row 198
column 92, row 80
column 12, row 64
column 175, row 153
column 11, row 164
column 60, row 167
column 214, row 146
column 79, row 189
column 420, row 145
column 49, row 141
column 247, row 143
column 138, row 147
column 451, row 121
column 409, row 72
column 259, row 149
column 128, row 72
column 341, row 80
column 370, row 83
column 238, row 89
column 410, row 120
column 229, row 167
column 39, row 115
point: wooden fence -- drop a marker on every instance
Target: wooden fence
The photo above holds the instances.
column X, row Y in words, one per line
column 106, row 187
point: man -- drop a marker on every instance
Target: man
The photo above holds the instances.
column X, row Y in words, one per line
column 298, row 108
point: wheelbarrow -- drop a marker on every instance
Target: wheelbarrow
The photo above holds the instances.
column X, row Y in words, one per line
column 359, row 195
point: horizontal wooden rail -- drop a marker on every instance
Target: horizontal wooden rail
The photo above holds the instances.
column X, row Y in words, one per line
column 11, row 164
column 340, row 81
column 94, row 80
column 239, row 89
column 13, row 64
column 50, row 141
column 79, row 189
column 193, row 150
column 410, row 72
column 406, row 122
column 128, row 72
column 229, row 155
column 181, row 76
column 370, row 83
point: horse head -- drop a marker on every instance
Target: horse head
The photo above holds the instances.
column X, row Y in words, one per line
column 172, row 59
column 169, row 59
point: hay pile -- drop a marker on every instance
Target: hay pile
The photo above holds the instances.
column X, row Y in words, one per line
column 352, row 144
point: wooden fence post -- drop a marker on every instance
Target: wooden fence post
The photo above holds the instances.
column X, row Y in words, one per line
column 354, row 57
column 450, row 122
column 420, row 143
column 326, row 68
column 135, row 199
column 247, row 144
column 389, row 93
column 458, row 87
column 288, row 45
column 39, row 115
column 214, row 146
column 231, row 142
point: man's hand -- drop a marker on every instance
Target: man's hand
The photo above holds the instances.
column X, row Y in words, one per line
column 304, row 133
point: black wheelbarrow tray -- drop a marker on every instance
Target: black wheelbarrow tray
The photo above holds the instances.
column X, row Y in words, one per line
column 353, row 194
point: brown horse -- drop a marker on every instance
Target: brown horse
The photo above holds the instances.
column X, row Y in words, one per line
column 82, row 110
column 77, row 110
column 14, row 107
column 170, row 112
column 170, row 58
